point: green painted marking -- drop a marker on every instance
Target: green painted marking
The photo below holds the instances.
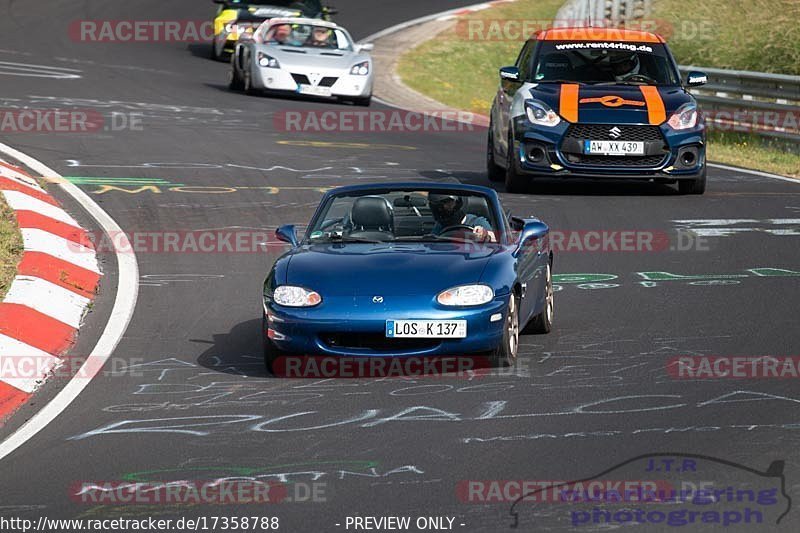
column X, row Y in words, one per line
column 583, row 278
column 107, row 180
column 774, row 272
column 666, row 276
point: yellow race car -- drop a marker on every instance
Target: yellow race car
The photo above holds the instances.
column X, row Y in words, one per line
column 238, row 17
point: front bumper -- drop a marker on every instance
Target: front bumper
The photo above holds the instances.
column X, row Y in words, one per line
column 549, row 152
column 348, row 326
column 283, row 80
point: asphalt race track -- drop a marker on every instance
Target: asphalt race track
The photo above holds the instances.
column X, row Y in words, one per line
column 594, row 393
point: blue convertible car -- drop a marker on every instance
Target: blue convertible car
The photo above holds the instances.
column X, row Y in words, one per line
column 409, row 269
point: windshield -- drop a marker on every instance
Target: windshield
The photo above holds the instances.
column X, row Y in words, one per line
column 610, row 62
column 406, row 216
column 306, row 36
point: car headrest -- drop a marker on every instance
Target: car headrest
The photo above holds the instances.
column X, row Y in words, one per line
column 372, row 213
column 476, row 205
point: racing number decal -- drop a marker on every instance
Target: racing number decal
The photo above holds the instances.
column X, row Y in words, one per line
column 655, row 105
column 568, row 102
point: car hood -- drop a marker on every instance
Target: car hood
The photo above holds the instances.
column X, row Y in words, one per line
column 290, row 57
column 612, row 104
column 387, row 269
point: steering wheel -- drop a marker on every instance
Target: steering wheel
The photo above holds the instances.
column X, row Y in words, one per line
column 639, row 77
column 455, row 227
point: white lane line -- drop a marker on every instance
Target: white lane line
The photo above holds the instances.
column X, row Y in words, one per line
column 23, row 366
column 19, row 201
column 121, row 313
column 37, row 240
column 755, row 172
column 48, row 298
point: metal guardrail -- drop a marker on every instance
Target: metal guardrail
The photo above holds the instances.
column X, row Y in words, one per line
column 739, row 100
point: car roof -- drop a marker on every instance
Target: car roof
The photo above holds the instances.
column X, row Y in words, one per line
column 597, row 34
column 303, row 20
column 416, row 185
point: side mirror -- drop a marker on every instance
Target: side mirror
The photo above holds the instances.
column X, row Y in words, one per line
column 509, row 73
column 696, row 78
column 287, row 234
column 366, row 47
column 533, row 231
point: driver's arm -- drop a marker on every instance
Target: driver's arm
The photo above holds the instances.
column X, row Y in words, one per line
column 482, row 228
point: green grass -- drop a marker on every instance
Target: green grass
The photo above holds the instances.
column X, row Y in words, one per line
column 463, row 73
column 751, row 151
column 760, row 35
column 10, row 246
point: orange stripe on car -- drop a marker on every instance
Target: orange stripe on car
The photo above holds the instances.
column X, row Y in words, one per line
column 568, row 102
column 656, row 112
column 599, row 34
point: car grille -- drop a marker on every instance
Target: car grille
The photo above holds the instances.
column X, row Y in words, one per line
column 616, row 160
column 301, row 79
column 376, row 342
column 601, row 132
column 328, row 81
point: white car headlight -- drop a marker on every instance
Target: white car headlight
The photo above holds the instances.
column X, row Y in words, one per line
column 267, row 61
column 466, row 295
column 539, row 113
column 291, row 296
column 684, row 118
column 362, row 69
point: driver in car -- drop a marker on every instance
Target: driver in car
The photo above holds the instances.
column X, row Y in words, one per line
column 448, row 212
column 624, row 65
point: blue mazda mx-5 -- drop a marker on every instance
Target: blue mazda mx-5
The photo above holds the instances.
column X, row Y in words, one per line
column 409, row 269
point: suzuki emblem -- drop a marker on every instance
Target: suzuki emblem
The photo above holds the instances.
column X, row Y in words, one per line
column 615, row 132
column 377, row 299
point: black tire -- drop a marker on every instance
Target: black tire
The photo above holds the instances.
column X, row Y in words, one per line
column 236, row 83
column 695, row 186
column 214, row 55
column 506, row 353
column 271, row 352
column 543, row 322
column 363, row 102
column 496, row 172
column 248, row 85
column 515, row 182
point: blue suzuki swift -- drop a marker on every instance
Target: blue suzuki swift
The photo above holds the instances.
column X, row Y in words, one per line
column 596, row 103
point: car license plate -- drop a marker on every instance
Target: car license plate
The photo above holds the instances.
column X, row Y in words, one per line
column 426, row 329
column 314, row 90
column 613, row 147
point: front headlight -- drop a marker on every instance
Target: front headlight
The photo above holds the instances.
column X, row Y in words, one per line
column 362, row 69
column 291, row 296
column 267, row 61
column 539, row 113
column 684, row 118
column 466, row 295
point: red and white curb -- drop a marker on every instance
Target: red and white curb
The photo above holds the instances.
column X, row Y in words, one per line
column 55, row 283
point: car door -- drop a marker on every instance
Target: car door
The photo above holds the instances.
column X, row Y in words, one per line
column 505, row 97
column 532, row 259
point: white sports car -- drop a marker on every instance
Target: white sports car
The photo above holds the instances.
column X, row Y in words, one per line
column 304, row 56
